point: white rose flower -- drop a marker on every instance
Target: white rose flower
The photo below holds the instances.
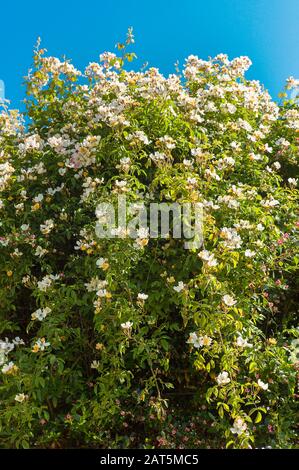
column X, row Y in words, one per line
column 179, row 287
column 262, row 384
column 142, row 296
column 127, row 326
column 229, row 300
column 293, row 182
column 239, row 426
column 41, row 313
column 20, row 397
column 243, row 343
column 223, row 378
column 249, row 253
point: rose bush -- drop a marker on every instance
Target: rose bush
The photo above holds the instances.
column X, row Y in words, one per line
column 121, row 341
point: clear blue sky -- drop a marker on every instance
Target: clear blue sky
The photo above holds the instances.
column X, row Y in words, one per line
column 165, row 31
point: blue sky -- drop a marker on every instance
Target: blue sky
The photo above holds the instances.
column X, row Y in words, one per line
column 165, row 31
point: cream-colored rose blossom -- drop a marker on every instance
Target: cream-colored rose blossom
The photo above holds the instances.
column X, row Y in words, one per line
column 239, row 426
column 229, row 300
column 262, row 384
column 21, row 397
column 223, row 378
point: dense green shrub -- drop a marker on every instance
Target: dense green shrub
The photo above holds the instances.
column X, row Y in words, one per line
column 210, row 348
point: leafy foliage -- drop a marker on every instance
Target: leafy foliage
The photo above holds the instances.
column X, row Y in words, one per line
column 87, row 360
